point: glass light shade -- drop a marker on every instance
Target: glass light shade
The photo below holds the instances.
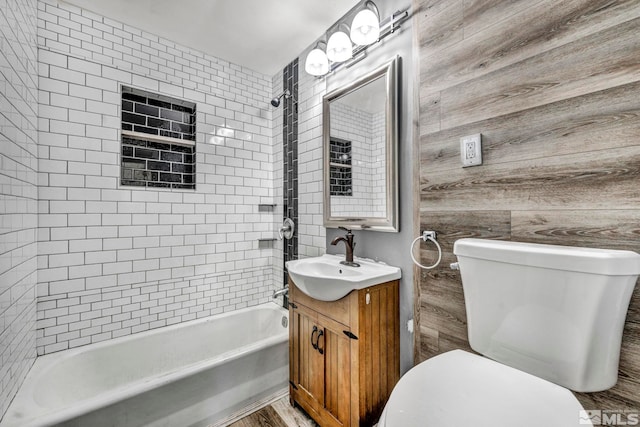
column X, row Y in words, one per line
column 317, row 63
column 339, row 47
column 365, row 28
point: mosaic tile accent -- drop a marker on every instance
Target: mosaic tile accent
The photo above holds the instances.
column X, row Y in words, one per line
column 157, row 115
column 149, row 163
column 340, row 171
column 290, row 174
column 155, row 164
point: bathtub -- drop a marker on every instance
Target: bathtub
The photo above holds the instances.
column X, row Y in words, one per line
column 196, row 373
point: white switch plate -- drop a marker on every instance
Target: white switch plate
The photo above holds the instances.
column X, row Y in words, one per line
column 471, row 150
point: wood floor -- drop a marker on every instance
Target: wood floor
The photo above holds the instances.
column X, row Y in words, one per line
column 278, row 414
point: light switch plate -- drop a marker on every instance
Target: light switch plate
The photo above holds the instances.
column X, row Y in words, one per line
column 471, row 150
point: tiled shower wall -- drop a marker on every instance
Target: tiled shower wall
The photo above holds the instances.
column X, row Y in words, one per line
column 366, row 131
column 311, row 233
column 278, row 180
column 18, row 193
column 378, row 162
column 115, row 260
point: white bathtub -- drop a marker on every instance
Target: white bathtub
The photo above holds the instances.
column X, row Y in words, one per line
column 191, row 374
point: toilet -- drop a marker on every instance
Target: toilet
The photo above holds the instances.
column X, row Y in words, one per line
column 545, row 320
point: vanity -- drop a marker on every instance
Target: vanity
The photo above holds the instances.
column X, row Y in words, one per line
column 344, row 353
column 344, row 332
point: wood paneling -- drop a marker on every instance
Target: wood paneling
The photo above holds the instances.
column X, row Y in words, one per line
column 612, row 229
column 601, row 61
column 536, row 28
column 596, row 121
column 554, row 87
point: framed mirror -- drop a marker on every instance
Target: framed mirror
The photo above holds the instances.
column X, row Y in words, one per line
column 360, row 144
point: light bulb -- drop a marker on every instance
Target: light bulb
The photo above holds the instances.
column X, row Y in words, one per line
column 317, row 63
column 339, row 47
column 365, row 28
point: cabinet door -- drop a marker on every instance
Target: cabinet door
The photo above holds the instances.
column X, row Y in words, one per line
column 335, row 346
column 306, row 362
column 320, row 367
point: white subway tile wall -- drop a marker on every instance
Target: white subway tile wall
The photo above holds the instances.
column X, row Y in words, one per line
column 312, row 235
column 278, row 171
column 114, row 260
column 366, row 131
column 379, row 163
column 18, row 193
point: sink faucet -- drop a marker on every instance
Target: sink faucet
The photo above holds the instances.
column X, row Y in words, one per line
column 349, row 244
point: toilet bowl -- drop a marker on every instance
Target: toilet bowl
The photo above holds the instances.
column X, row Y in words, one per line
column 458, row 389
column 544, row 319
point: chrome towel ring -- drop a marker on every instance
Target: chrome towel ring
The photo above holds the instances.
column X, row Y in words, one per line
column 430, row 236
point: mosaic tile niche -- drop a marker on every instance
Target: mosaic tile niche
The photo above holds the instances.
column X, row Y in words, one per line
column 158, row 141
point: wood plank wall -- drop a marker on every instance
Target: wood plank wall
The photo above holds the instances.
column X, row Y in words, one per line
column 554, row 88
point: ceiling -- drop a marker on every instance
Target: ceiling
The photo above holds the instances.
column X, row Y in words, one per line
column 263, row 35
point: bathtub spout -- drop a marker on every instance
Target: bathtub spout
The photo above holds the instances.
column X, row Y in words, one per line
column 283, row 291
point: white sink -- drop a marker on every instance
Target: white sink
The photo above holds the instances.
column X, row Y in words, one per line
column 325, row 279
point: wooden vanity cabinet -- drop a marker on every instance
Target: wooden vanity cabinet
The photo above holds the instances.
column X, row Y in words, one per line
column 344, row 355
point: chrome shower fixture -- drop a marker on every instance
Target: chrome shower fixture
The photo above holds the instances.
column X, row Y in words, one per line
column 276, row 101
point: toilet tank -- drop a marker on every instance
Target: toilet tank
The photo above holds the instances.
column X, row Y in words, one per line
column 556, row 312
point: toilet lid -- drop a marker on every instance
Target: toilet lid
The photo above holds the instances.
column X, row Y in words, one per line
column 460, row 389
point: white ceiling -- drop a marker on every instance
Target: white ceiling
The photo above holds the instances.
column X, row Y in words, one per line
column 263, row 35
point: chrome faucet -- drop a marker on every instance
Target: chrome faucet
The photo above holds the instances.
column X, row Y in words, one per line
column 279, row 292
column 349, row 244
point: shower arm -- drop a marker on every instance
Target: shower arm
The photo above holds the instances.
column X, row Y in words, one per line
column 286, row 94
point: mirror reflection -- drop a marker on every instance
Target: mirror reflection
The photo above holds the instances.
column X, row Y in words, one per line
column 360, row 145
column 357, row 152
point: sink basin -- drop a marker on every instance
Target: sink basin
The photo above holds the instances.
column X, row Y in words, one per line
column 325, row 279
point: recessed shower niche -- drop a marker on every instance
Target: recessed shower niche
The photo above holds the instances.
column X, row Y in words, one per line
column 341, row 167
column 158, row 141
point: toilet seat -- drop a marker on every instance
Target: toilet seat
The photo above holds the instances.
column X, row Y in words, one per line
column 461, row 389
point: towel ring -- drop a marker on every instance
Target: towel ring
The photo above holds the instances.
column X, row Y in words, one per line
column 431, row 236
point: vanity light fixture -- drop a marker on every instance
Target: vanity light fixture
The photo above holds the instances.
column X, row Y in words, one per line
column 339, row 47
column 366, row 31
column 365, row 28
column 317, row 63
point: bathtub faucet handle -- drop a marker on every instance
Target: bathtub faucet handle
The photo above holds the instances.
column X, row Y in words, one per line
column 287, row 229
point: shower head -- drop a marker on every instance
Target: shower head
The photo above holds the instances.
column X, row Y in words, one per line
column 276, row 101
